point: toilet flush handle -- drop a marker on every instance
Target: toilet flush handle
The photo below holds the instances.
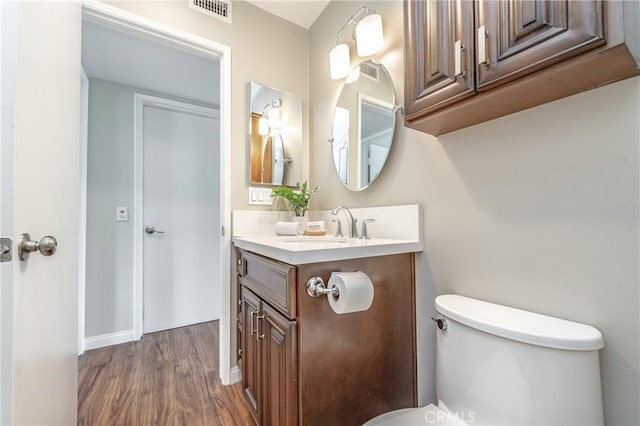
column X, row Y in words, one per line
column 442, row 323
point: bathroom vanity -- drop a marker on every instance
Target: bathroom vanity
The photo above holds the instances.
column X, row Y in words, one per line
column 304, row 364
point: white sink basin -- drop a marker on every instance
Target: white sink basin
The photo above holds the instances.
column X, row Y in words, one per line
column 313, row 239
column 311, row 249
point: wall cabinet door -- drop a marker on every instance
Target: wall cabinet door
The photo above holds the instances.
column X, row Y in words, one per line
column 278, row 346
column 519, row 37
column 250, row 352
column 439, row 41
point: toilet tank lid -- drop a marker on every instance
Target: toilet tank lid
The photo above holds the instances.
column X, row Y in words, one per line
column 519, row 325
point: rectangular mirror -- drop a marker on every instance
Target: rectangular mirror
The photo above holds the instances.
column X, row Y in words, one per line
column 275, row 136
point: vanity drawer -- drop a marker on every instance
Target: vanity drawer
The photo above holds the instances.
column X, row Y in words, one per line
column 273, row 281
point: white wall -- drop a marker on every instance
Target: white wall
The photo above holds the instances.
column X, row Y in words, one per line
column 537, row 210
column 264, row 48
column 125, row 57
column 109, row 282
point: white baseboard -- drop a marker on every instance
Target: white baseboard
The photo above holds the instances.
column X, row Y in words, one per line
column 235, row 375
column 103, row 340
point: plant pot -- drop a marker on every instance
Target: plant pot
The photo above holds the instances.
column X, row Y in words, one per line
column 301, row 219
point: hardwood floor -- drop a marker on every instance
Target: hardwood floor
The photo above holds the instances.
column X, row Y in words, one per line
column 167, row 378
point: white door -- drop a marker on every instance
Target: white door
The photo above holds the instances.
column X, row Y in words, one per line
column 181, row 202
column 39, row 346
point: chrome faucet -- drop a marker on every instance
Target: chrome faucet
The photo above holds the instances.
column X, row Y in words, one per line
column 353, row 228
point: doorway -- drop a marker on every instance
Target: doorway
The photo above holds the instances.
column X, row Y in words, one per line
column 132, row 326
column 180, row 192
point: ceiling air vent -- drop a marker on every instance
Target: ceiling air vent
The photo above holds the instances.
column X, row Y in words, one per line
column 217, row 8
column 370, row 70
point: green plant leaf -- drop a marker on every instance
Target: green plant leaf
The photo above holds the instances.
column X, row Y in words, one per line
column 298, row 198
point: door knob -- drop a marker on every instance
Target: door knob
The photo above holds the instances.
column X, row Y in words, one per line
column 152, row 230
column 46, row 246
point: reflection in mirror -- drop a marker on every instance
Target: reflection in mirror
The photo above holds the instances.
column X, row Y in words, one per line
column 363, row 125
column 275, row 136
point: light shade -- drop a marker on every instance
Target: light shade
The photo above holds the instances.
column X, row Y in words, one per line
column 274, row 117
column 369, row 37
column 263, row 126
column 339, row 61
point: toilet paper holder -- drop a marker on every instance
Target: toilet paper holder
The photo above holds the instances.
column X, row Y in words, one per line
column 317, row 288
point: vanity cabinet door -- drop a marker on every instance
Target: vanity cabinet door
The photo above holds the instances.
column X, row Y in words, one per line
column 250, row 352
column 439, row 49
column 279, row 358
column 519, row 37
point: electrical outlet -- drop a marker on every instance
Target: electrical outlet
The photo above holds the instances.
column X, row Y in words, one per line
column 122, row 214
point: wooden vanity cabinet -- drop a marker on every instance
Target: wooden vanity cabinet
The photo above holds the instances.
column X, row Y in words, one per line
column 303, row 364
column 269, row 343
column 439, row 35
column 523, row 36
column 470, row 61
column 269, row 362
column 250, row 355
column 279, row 369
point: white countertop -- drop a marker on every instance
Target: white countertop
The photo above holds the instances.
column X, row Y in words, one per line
column 301, row 250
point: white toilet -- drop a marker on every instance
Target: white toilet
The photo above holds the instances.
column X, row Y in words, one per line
column 497, row 365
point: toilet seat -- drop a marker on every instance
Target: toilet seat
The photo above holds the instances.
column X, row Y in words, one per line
column 428, row 415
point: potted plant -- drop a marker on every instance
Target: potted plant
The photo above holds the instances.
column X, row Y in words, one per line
column 298, row 198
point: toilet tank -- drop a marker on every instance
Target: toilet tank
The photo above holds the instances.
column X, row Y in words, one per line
column 500, row 365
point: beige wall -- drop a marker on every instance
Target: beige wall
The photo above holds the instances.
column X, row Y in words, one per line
column 264, row 49
column 537, row 210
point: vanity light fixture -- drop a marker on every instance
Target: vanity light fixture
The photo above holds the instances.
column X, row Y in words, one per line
column 369, row 40
column 270, row 117
column 263, row 126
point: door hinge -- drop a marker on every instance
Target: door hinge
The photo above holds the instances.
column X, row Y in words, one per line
column 6, row 249
column 223, row 231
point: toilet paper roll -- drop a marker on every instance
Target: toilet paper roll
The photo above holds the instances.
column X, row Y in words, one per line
column 289, row 228
column 356, row 292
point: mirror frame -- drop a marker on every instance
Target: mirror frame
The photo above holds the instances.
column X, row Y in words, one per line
column 393, row 110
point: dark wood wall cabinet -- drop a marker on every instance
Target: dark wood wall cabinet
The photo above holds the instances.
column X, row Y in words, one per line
column 470, row 61
column 303, row 364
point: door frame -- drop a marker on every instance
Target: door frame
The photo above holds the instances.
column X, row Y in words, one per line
column 82, row 218
column 141, row 101
column 8, row 40
column 118, row 18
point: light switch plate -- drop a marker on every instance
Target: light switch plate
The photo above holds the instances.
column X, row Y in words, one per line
column 260, row 196
column 122, row 214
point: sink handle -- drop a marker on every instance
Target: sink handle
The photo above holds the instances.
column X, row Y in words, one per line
column 338, row 227
column 365, row 233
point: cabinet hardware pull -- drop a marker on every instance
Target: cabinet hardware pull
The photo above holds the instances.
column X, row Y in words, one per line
column 258, row 335
column 252, row 315
column 482, row 45
column 457, row 57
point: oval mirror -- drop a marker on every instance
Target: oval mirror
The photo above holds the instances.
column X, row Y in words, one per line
column 363, row 125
